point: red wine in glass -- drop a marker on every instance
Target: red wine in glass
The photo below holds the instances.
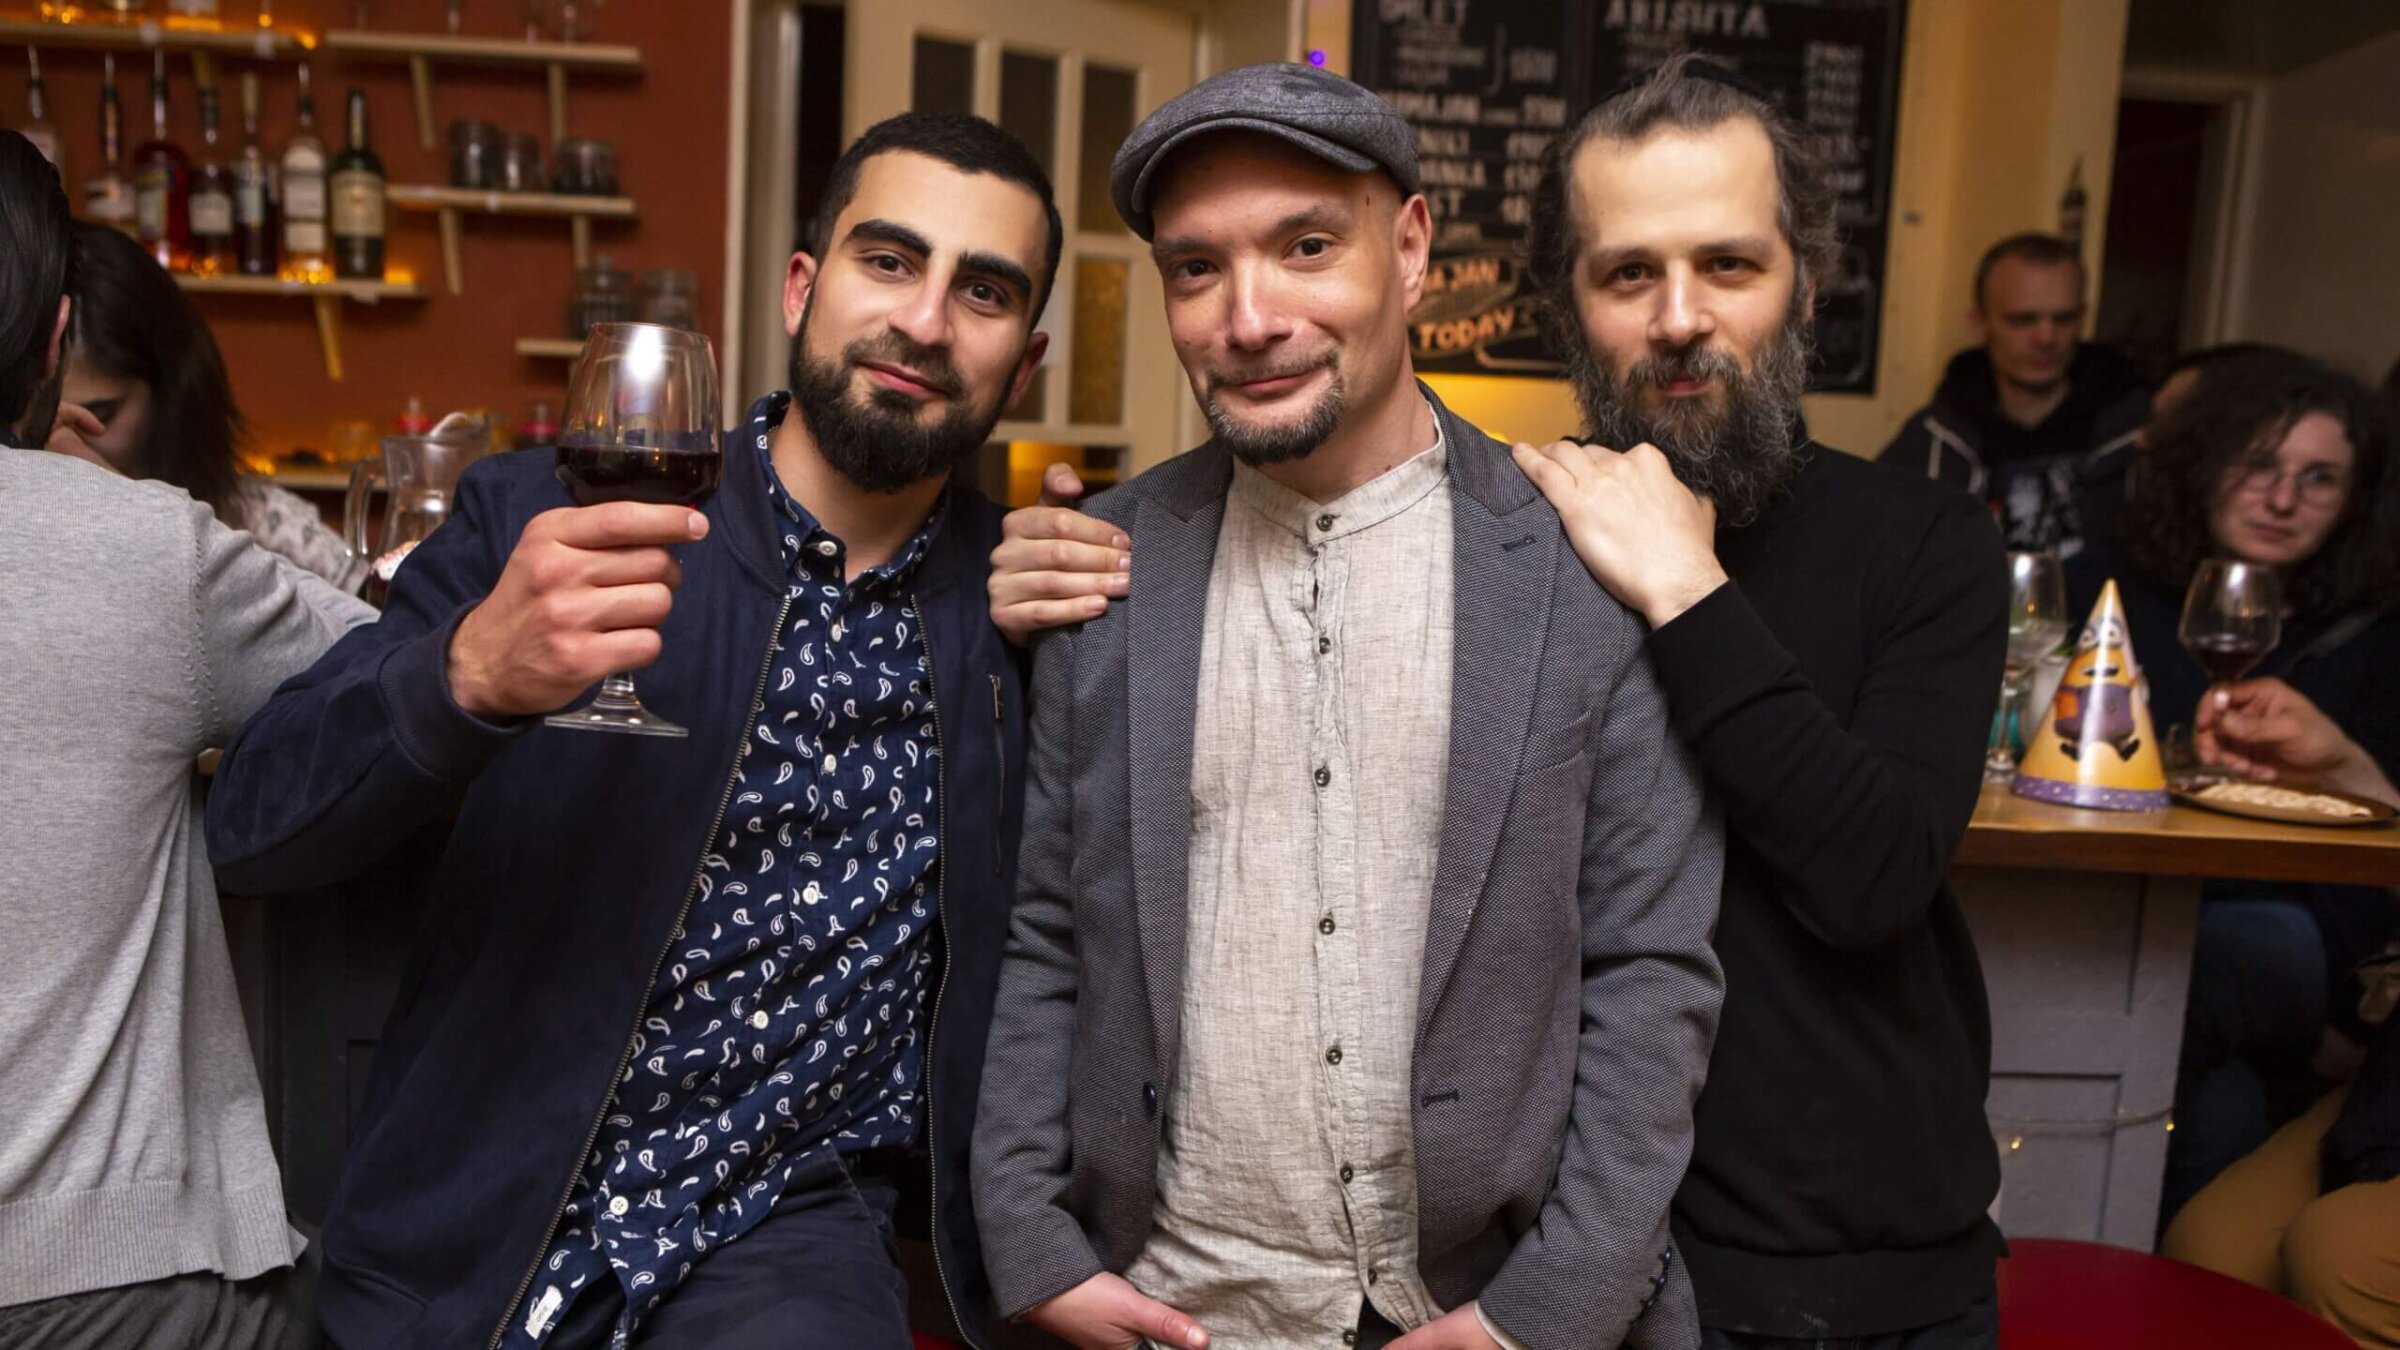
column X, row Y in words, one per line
column 2226, row 657
column 595, row 472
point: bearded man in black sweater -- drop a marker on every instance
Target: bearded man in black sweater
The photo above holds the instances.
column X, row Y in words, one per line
column 1829, row 634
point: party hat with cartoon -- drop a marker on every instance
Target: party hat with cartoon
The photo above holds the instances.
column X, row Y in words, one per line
column 2096, row 745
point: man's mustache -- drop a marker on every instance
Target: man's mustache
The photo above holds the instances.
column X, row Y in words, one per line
column 931, row 364
column 1684, row 363
column 1219, row 379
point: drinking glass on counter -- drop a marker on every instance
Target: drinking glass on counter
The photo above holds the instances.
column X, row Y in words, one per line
column 641, row 426
column 2037, row 621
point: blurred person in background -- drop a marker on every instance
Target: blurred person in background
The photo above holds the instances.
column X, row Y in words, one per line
column 2026, row 418
column 141, row 360
column 2273, row 459
column 140, row 1203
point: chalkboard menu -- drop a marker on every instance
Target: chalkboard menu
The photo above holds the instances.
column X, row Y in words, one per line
column 1488, row 84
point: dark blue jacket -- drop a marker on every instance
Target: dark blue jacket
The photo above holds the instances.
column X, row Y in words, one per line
column 572, row 856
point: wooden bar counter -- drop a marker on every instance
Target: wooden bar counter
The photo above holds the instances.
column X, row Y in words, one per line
column 2085, row 922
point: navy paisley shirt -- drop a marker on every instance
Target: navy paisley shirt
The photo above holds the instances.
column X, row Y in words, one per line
column 788, row 1016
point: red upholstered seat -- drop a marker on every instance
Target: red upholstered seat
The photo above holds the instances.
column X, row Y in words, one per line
column 2060, row 1295
column 928, row 1341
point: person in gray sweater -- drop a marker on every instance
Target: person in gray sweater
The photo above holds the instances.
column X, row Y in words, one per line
column 139, row 1199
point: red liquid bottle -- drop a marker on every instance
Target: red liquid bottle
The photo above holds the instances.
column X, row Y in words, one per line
column 162, row 183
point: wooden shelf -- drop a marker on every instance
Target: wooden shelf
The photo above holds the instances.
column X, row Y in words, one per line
column 326, row 296
column 549, row 349
column 486, row 202
column 451, row 49
column 364, row 292
column 321, row 478
column 266, row 44
column 422, row 51
column 452, row 203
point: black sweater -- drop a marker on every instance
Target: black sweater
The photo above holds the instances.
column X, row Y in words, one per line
column 1838, row 693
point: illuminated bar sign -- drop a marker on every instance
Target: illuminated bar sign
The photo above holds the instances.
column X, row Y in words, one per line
column 1489, row 83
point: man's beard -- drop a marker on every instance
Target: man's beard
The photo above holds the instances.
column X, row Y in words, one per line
column 877, row 442
column 41, row 411
column 1737, row 454
column 1280, row 444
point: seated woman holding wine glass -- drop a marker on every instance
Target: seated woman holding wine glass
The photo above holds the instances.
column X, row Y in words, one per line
column 2264, row 540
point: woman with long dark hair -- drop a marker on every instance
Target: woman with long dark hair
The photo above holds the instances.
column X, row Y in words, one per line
column 142, row 361
column 2272, row 459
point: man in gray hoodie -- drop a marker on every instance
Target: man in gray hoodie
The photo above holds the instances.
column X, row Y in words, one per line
column 139, row 1200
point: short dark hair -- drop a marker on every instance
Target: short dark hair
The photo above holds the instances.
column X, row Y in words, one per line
column 132, row 321
column 2244, row 403
column 35, row 267
column 960, row 141
column 2042, row 250
column 1676, row 96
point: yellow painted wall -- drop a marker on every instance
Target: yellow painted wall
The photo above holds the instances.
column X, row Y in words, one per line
column 1997, row 99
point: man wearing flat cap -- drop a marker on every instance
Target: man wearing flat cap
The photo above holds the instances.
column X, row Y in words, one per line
column 1358, row 986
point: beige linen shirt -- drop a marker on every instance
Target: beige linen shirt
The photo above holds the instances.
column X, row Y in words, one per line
column 1287, row 1167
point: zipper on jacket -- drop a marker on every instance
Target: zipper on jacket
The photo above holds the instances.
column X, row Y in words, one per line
column 941, row 917
column 999, row 791
column 733, row 778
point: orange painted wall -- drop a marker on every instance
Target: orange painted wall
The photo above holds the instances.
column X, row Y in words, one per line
column 668, row 125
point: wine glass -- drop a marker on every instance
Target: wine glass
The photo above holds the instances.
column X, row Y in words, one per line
column 2037, row 620
column 641, row 426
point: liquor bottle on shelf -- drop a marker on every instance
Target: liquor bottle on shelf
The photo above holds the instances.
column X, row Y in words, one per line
column 307, row 252
column 108, row 199
column 162, row 182
column 253, row 193
column 212, row 198
column 357, row 183
column 38, row 127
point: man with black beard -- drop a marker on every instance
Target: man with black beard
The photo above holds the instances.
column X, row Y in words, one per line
column 1829, row 633
column 689, row 1015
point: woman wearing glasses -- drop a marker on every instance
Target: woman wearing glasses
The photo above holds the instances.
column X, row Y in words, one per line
column 2268, row 458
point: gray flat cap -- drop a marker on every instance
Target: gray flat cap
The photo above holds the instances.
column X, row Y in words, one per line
column 1320, row 112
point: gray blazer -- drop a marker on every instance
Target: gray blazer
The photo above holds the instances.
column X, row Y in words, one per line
column 1569, row 993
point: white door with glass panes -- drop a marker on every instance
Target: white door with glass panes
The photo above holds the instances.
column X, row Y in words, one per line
column 1071, row 78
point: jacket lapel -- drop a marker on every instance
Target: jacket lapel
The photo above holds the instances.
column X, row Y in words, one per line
column 1166, row 618
column 1505, row 552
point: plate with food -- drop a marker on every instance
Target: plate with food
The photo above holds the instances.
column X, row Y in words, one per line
column 2292, row 805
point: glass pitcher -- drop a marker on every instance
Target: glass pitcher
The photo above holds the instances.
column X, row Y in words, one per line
column 419, row 475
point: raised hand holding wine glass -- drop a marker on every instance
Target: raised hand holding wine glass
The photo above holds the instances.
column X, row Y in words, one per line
column 586, row 587
column 641, row 426
column 2037, row 620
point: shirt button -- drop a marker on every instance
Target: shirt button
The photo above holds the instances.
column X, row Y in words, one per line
column 1324, row 645
column 1345, row 1174
column 1324, row 776
column 1349, row 1335
column 1325, row 522
column 1373, row 1275
column 826, row 548
column 1325, row 925
column 617, row 1207
column 760, row 1019
column 1334, row 1056
column 830, row 764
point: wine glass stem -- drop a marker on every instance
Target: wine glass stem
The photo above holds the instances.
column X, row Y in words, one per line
column 617, row 695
